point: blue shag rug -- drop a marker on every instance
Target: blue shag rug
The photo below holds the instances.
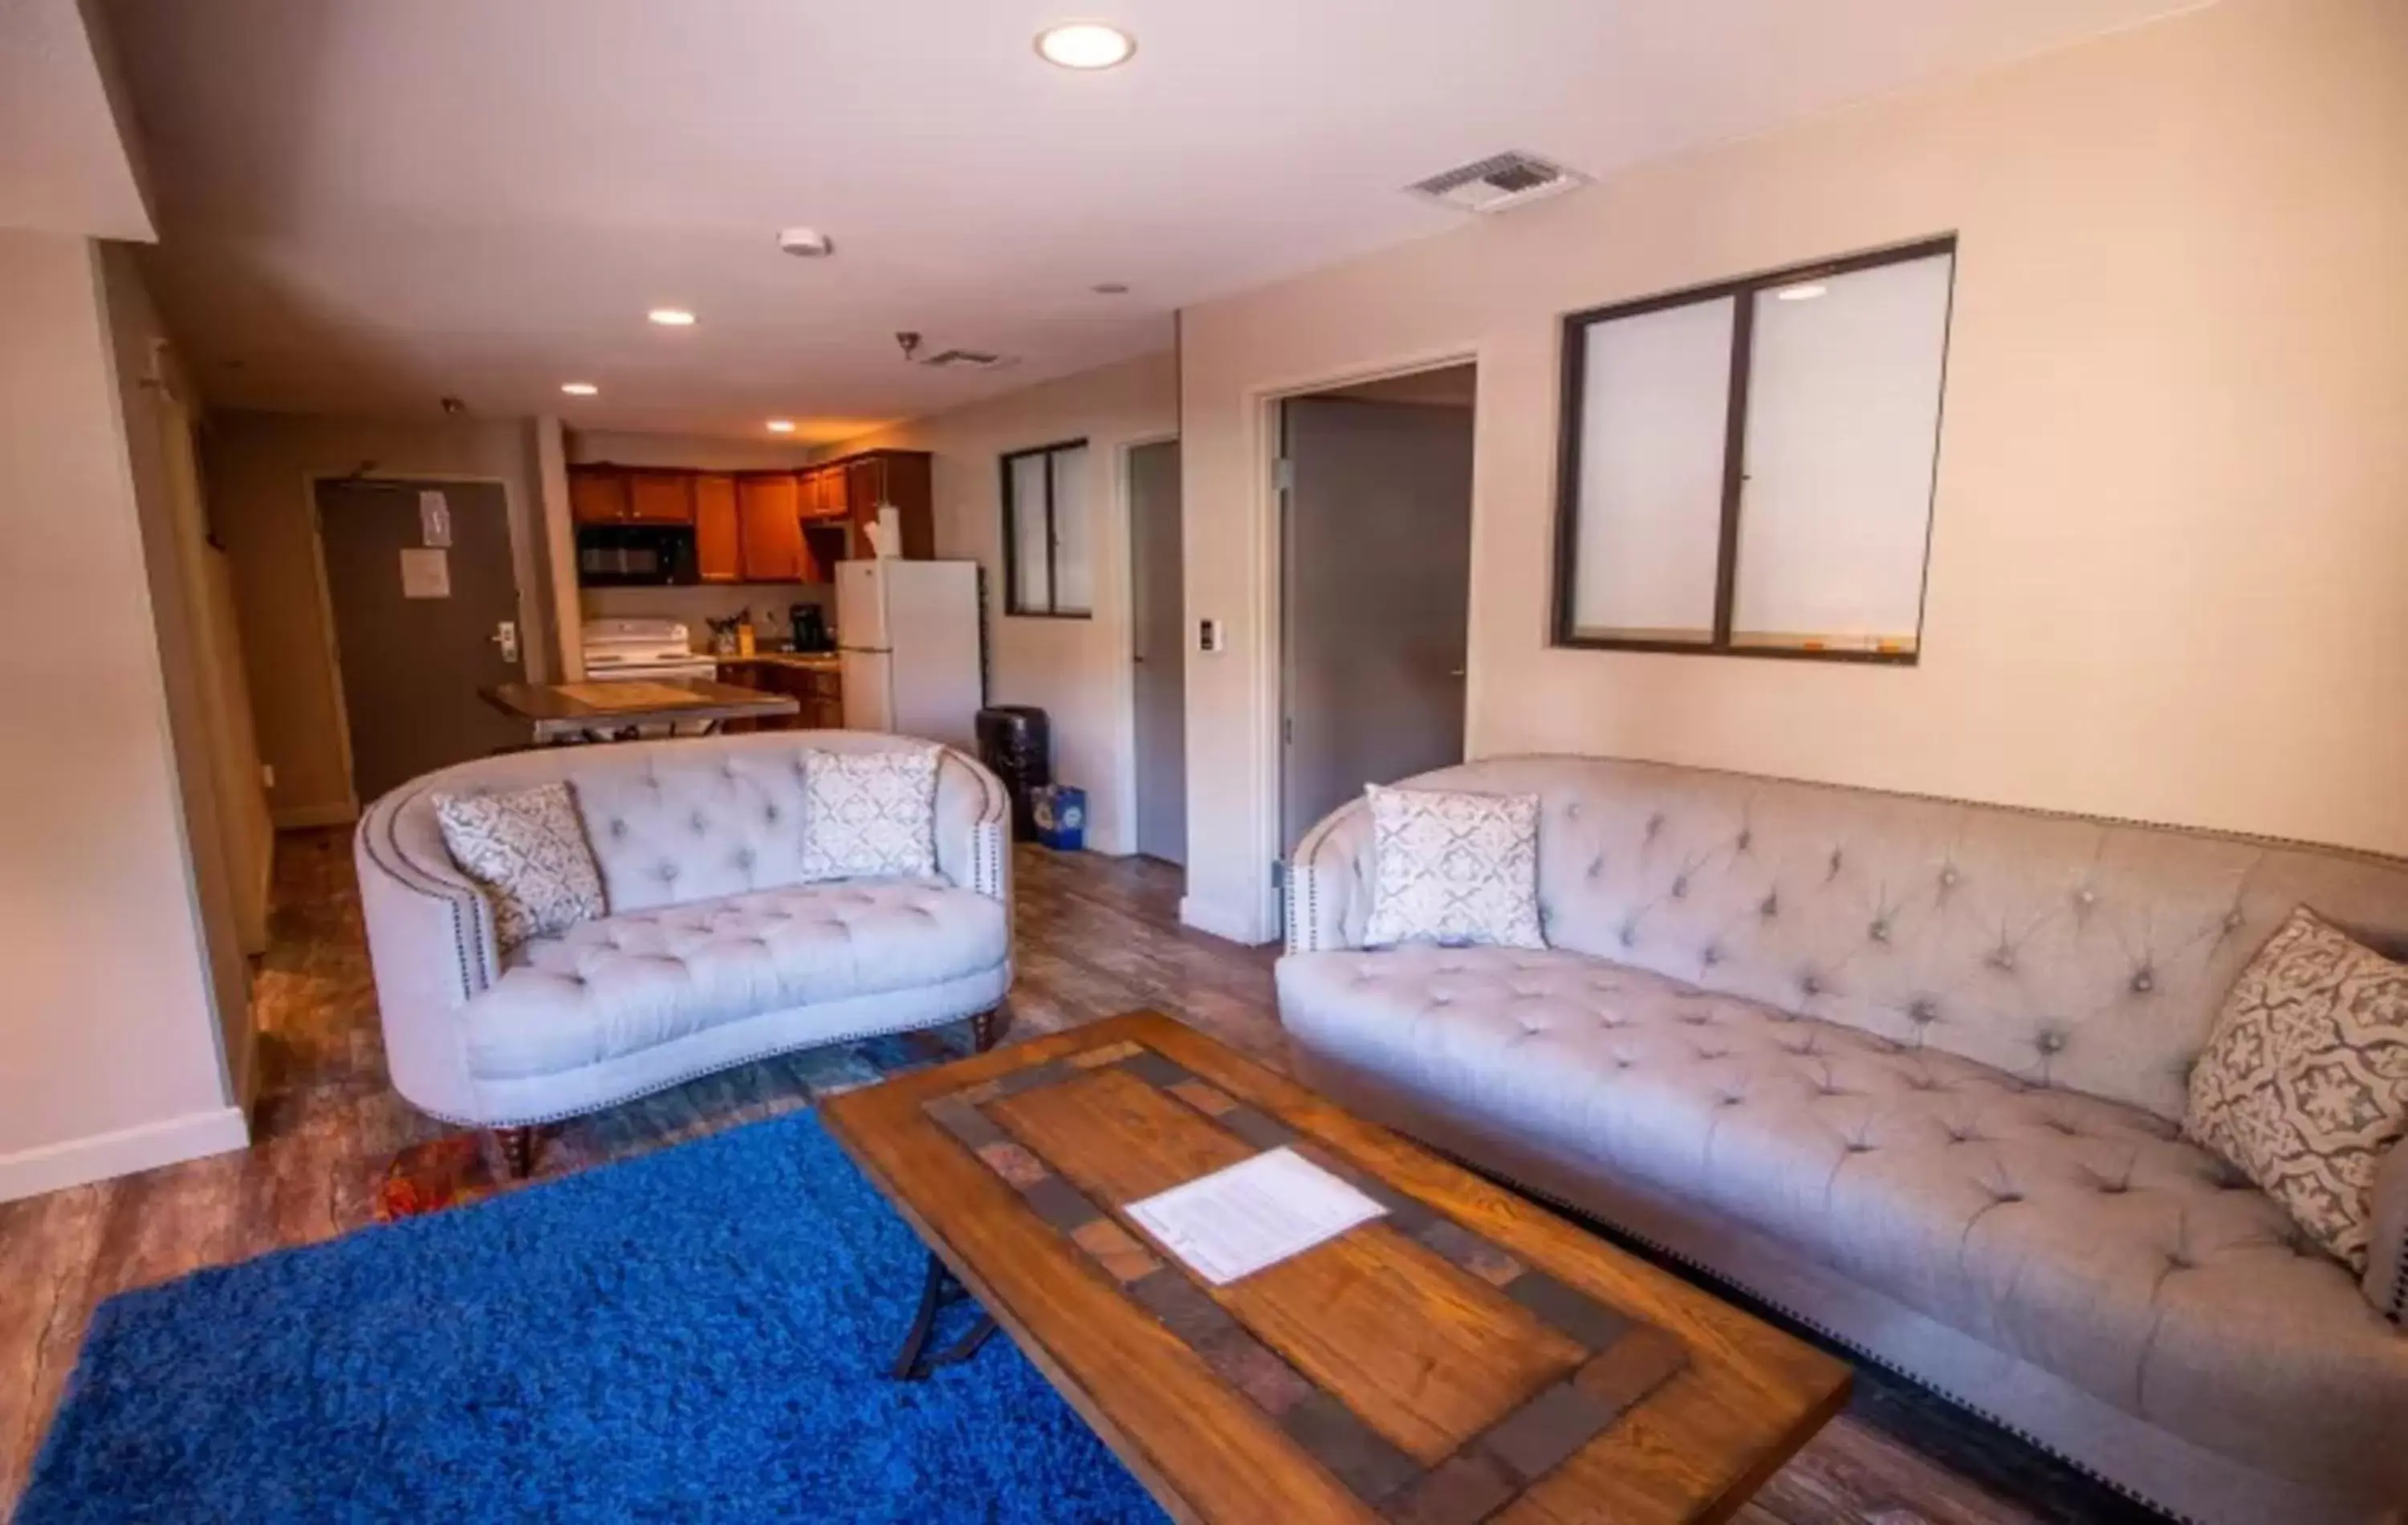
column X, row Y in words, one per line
column 697, row 1335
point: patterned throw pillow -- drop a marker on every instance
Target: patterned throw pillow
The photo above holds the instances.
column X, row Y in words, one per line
column 869, row 813
column 2303, row 1083
column 526, row 849
column 1454, row 869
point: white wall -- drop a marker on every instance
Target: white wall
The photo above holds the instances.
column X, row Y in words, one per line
column 260, row 469
column 1077, row 669
column 2171, row 525
column 109, row 1056
column 228, row 838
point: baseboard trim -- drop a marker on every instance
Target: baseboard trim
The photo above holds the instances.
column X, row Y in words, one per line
column 55, row 1167
column 1219, row 920
column 294, row 817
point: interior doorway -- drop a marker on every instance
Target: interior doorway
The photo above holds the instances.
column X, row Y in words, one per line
column 425, row 614
column 1158, row 651
column 1375, row 572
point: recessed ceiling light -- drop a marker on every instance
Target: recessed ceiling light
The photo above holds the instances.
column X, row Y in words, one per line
column 1805, row 292
column 781, row 425
column 671, row 317
column 579, row 388
column 1085, row 45
column 1110, row 288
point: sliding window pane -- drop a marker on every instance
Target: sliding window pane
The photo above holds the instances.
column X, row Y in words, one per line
column 1032, row 586
column 1074, row 578
column 1843, row 430
column 1654, row 412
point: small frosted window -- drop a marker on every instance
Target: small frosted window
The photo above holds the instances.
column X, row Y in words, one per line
column 1654, row 412
column 1750, row 468
column 1048, row 545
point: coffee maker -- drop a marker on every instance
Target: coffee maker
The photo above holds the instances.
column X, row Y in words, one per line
column 811, row 628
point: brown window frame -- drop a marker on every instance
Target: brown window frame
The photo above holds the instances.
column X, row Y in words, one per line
column 1743, row 293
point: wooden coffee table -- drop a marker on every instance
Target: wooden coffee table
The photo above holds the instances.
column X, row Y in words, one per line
column 1467, row 1356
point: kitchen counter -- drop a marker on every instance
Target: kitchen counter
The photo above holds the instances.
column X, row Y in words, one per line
column 808, row 661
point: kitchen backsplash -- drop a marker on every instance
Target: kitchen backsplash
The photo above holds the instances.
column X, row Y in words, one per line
column 769, row 603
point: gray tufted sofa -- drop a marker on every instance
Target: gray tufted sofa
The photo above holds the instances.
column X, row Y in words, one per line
column 1912, row 1071
column 715, row 951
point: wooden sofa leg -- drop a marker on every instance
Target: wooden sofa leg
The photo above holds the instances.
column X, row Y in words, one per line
column 516, row 1149
column 987, row 1029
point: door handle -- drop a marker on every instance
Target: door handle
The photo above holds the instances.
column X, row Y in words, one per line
column 505, row 636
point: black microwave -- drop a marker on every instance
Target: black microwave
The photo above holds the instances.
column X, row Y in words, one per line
column 634, row 555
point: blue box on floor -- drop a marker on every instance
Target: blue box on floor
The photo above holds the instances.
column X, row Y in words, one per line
column 1061, row 815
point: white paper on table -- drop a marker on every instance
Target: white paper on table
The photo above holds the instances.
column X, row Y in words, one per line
column 1256, row 1213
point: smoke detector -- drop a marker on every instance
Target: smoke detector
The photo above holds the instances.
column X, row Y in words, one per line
column 807, row 243
column 1499, row 184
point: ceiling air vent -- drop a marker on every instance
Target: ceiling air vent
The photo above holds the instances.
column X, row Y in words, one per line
column 1494, row 184
column 967, row 360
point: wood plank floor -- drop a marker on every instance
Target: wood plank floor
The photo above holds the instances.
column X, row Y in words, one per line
column 1098, row 936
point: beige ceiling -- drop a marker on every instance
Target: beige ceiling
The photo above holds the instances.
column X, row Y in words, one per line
column 65, row 161
column 368, row 204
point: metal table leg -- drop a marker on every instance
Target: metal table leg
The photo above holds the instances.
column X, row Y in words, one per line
column 913, row 1362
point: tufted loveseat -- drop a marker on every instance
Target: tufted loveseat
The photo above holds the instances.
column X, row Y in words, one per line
column 715, row 951
column 1912, row 1071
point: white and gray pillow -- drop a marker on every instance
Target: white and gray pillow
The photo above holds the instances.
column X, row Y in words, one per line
column 2303, row 1085
column 1454, row 869
column 869, row 813
column 526, row 850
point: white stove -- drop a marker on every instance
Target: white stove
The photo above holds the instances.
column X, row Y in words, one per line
column 624, row 650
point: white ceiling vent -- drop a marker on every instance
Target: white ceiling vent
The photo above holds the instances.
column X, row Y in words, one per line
column 1495, row 184
column 968, row 360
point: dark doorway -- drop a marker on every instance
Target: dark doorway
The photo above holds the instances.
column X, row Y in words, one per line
column 1158, row 649
column 1375, row 572
column 420, row 627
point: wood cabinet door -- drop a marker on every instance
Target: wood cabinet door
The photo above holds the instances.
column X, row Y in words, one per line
column 769, row 528
column 717, row 543
column 661, row 498
column 598, row 497
column 865, row 488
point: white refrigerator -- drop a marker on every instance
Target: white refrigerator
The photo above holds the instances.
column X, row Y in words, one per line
column 910, row 641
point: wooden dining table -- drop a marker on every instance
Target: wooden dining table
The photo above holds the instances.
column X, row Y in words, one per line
column 563, row 714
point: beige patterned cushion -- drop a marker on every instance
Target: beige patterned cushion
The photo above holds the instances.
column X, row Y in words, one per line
column 869, row 813
column 1456, row 869
column 2303, row 1083
column 526, row 849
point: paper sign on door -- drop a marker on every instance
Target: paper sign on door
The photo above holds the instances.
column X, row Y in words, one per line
column 426, row 573
column 434, row 519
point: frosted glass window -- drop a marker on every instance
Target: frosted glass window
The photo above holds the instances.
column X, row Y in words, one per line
column 1842, row 431
column 1074, row 578
column 1655, row 410
column 1048, row 545
column 1749, row 467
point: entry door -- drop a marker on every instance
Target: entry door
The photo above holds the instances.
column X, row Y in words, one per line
column 1158, row 647
column 413, row 657
column 1376, row 572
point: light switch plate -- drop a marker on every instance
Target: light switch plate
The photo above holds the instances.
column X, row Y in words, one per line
column 1208, row 635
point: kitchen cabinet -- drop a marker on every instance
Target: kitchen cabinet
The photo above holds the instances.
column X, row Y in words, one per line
column 599, row 497
column 823, row 493
column 718, row 540
column 766, row 527
column 899, row 478
column 769, row 527
column 817, row 688
column 661, row 498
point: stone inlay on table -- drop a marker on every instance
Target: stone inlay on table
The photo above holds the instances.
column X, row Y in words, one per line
column 1622, row 1360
